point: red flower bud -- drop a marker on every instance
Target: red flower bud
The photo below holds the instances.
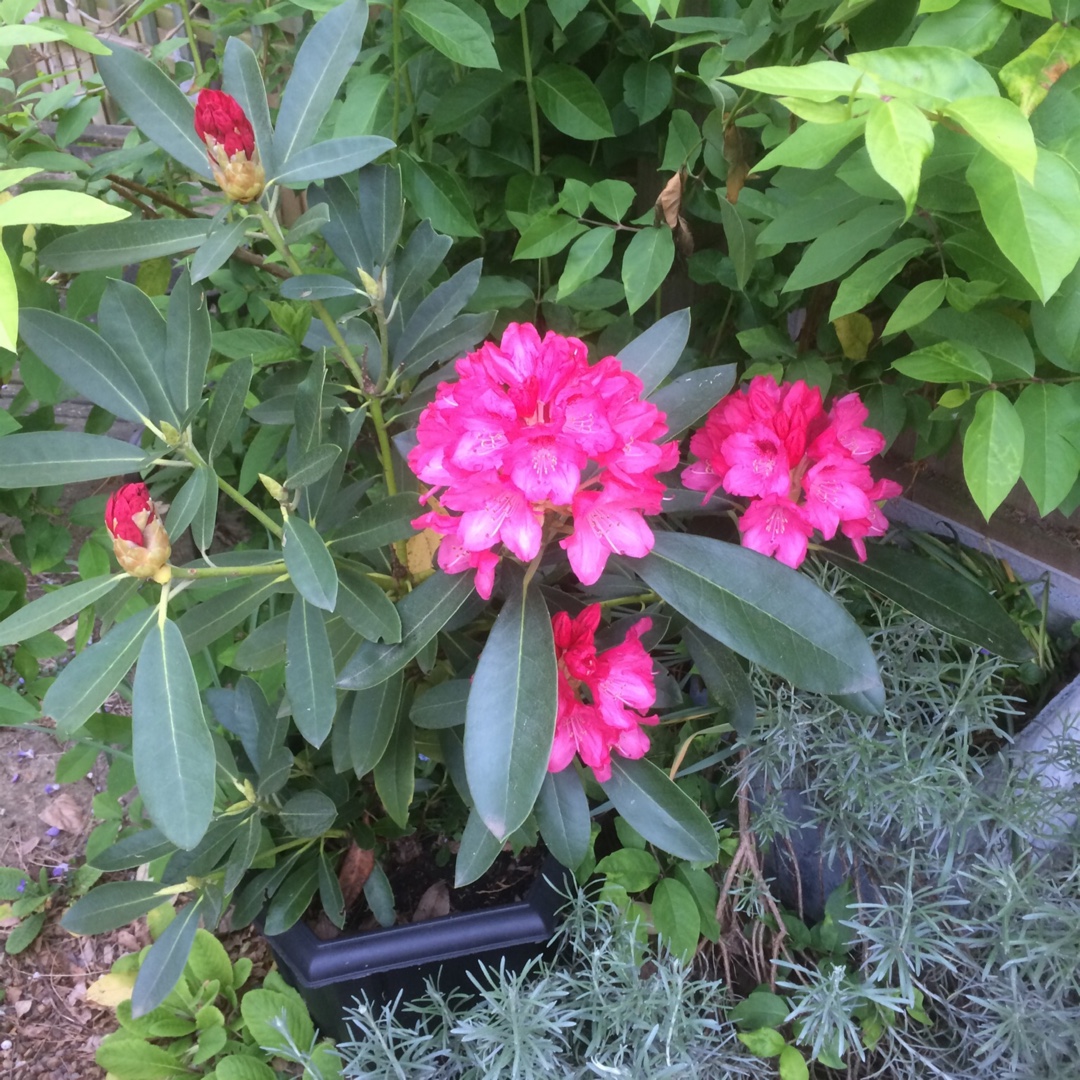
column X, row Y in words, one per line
column 218, row 116
column 140, row 542
column 230, row 142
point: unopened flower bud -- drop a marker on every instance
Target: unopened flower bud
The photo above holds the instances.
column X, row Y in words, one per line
column 230, row 142
column 140, row 542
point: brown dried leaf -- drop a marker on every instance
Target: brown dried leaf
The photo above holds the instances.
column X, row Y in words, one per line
column 355, row 869
column 669, row 203
column 63, row 812
column 420, row 550
column 434, row 903
column 738, row 166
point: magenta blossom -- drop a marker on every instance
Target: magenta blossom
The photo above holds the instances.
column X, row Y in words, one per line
column 620, row 688
column 803, row 469
column 533, row 443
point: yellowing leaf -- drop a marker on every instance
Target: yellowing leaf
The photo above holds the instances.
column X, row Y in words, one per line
column 855, row 332
column 111, row 989
column 420, row 550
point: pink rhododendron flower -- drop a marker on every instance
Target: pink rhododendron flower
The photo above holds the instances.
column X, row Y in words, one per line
column 619, row 684
column 140, row 542
column 533, row 443
column 802, row 468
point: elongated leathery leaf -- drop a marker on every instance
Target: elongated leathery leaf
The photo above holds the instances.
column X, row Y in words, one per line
column 135, row 329
column 309, row 671
column 310, row 565
column 82, row 687
column 163, row 964
column 562, row 812
column 510, row 716
column 652, row 354
column 120, row 243
column 187, row 343
column 33, row 458
column 173, row 750
column 156, row 105
column 54, row 607
column 424, row 612
column 371, row 722
column 939, row 596
column 763, row 610
column 110, row 906
column 86, row 361
column 321, row 64
column 242, row 78
column 660, row 810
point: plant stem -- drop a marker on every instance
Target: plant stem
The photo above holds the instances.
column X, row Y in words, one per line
column 228, row 571
column 533, row 117
column 273, row 232
column 641, row 598
column 259, row 515
column 395, row 30
column 193, row 41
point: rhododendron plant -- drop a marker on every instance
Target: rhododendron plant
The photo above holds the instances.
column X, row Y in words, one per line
column 803, row 469
column 619, row 686
column 532, row 443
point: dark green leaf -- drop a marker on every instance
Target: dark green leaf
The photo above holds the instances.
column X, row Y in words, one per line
column 310, row 564
column 163, row 964
column 110, row 906
column 453, row 32
column 204, row 624
column 380, row 524
column 309, row 672
column 652, row 354
column 330, row 894
column 453, row 340
column 724, row 677
column 219, row 244
column 379, row 192
column 664, row 814
column 314, row 465
column 287, row 904
column 572, row 103
column 320, row 67
column 309, row 814
column 84, row 685
column 442, row 706
column 371, row 722
column 85, row 361
column 227, row 405
column 171, row 744
column 423, row 613
column 510, row 716
column 133, row 850
column 156, row 105
column 135, row 329
column 333, row 158
column 317, row 287
column 437, row 309
column 937, row 595
column 366, row 608
column 691, row 396
column 478, row 850
column 764, row 611
column 187, row 344
column 646, row 264
column 562, row 814
column 54, row 607
column 101, row 247
column 395, row 774
column 46, row 458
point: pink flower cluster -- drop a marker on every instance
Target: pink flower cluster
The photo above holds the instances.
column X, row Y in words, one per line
column 802, row 468
column 619, row 682
column 532, row 443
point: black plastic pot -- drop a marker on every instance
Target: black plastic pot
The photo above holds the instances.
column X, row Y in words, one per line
column 330, row 975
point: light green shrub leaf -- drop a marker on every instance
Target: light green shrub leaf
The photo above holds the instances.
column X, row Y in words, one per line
column 646, row 264
column 812, row 146
column 920, row 303
column 632, row 868
column 998, row 125
column 587, row 259
column 864, row 283
column 548, row 235
column 130, row 1058
column 972, row 26
column 1034, row 225
column 1029, row 77
column 453, row 32
column 899, row 139
column 612, row 198
column 58, row 207
column 765, row 1042
column 1049, row 415
column 792, row 1064
column 675, row 916
column 568, row 98
column 993, row 451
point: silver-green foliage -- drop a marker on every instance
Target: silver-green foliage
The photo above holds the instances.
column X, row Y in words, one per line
column 588, row 1013
column 963, row 907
